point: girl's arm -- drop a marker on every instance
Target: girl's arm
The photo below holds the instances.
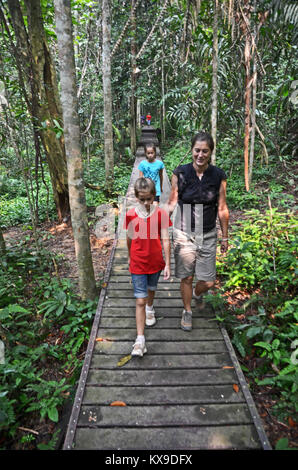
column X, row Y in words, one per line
column 173, row 198
column 141, row 174
column 128, row 242
column 165, row 239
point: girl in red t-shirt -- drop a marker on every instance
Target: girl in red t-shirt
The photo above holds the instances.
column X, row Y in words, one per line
column 147, row 232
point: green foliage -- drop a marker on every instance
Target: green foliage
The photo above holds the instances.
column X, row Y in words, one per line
column 283, row 444
column 46, row 398
column 175, row 154
column 95, row 174
column 263, row 259
column 263, row 251
column 14, row 206
column 43, row 326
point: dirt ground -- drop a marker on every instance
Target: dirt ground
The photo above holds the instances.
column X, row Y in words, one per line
column 58, row 238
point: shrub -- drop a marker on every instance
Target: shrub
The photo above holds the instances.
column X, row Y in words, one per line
column 263, row 260
column 35, row 307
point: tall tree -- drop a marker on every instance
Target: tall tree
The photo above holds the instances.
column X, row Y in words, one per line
column 107, row 94
column 133, row 124
column 73, row 149
column 2, row 243
column 245, row 13
column 254, row 104
column 37, row 72
column 214, row 78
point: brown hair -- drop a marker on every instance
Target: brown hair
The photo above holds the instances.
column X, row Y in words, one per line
column 144, row 184
column 203, row 136
column 149, row 145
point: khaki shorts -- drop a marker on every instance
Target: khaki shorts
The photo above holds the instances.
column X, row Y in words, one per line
column 195, row 254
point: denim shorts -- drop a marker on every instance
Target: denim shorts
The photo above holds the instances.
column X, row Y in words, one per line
column 144, row 282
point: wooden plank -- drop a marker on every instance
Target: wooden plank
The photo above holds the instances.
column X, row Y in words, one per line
column 158, row 302
column 162, row 334
column 160, row 362
column 165, row 415
column 169, row 311
column 195, row 376
column 161, row 347
column 161, row 322
column 184, row 438
column 96, row 395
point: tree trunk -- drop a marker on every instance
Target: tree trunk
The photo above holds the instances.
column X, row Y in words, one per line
column 133, row 130
column 163, row 114
column 247, row 97
column 73, row 149
column 107, row 95
column 253, row 109
column 214, row 79
column 2, row 243
column 163, row 88
column 138, row 113
column 245, row 25
column 38, row 73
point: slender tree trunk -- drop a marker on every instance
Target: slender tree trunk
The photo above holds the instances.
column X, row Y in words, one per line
column 163, row 88
column 138, row 114
column 253, row 124
column 133, row 131
column 73, row 149
column 247, row 98
column 2, row 243
column 163, row 114
column 245, row 25
column 245, row 12
column 253, row 111
column 38, row 73
column 214, row 79
column 107, row 95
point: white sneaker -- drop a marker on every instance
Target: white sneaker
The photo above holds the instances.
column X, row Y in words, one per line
column 150, row 316
column 197, row 297
column 139, row 349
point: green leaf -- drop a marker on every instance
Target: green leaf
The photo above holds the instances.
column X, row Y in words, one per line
column 53, row 414
column 282, row 444
column 15, row 308
column 263, row 345
column 253, row 331
column 124, row 360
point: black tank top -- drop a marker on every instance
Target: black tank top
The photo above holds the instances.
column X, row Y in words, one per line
column 192, row 191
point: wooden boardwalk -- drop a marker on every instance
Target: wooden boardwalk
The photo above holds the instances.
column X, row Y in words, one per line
column 188, row 392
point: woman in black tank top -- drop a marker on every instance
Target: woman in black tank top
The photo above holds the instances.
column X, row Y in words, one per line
column 198, row 187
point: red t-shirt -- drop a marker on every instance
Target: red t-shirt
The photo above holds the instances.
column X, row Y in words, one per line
column 146, row 251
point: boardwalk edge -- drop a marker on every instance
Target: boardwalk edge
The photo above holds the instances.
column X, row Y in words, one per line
column 248, row 397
